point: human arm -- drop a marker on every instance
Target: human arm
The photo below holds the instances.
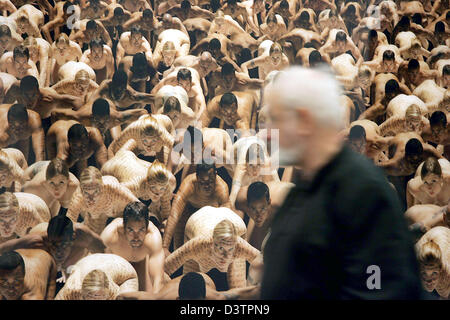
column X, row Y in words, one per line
column 375, row 111
column 29, row 241
column 37, row 136
column 86, row 238
column 101, row 153
column 188, row 251
column 258, row 61
column 156, row 258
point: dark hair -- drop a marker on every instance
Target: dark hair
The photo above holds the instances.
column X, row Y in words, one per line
column 214, row 5
column 91, row 24
column 172, row 103
column 304, row 15
column 184, row 74
column 314, row 58
column 357, row 132
column 192, row 135
column 446, row 70
column 147, row 13
column 417, row 18
column 284, row 4
column 185, row 4
column 56, row 167
column 192, row 287
column 257, row 191
column 309, row 45
column 120, row 77
column 205, row 167
column 136, row 211
column 77, row 132
column 28, row 83
column 351, row 8
column 404, row 21
column 227, row 68
column 21, row 51
column 438, row 118
column 214, row 44
column 341, row 36
column 59, row 227
column 135, row 29
column 413, row 147
column 439, row 27
column 391, row 86
column 5, row 30
column 413, row 64
column 118, row 11
column 431, row 165
column 11, row 260
column 100, row 107
column 66, row 6
column 228, row 99
column 17, row 112
column 232, row 2
column 96, row 43
column 388, row 55
column 373, row 34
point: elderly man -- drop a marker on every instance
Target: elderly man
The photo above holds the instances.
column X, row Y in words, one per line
column 335, row 225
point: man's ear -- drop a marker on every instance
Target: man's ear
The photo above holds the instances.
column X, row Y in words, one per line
column 269, row 202
column 306, row 122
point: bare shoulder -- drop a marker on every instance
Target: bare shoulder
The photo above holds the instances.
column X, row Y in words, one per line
column 153, row 239
column 110, row 234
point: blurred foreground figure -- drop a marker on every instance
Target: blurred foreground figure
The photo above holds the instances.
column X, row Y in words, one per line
column 333, row 238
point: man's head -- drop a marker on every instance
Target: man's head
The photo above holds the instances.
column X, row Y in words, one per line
column 365, row 78
column 95, row 286
column 431, row 175
column 271, row 21
column 118, row 13
column 147, row 15
column 119, row 83
column 413, row 69
column 429, row 255
column 167, row 21
column 29, row 88
column 82, row 81
column 284, row 8
column 158, row 179
column 357, row 139
column 341, row 41
column 373, row 37
column 33, row 48
column 91, row 185
column 21, row 55
column 136, row 36
column 184, row 79
column 417, row 18
column 214, row 47
column 135, row 223
column 413, row 119
column 56, row 178
column 169, row 53
column 439, row 27
column 303, row 20
column 413, row 152
column 315, row 59
column 60, row 237
column 304, row 106
column 91, row 28
column 276, row 53
column 100, row 114
column 229, row 108
column 12, row 275
column 5, row 36
column 96, row 47
column 172, row 109
column 228, row 75
column 17, row 119
column 389, row 59
column 192, row 287
column 78, row 139
column 438, row 123
column 446, row 76
column 206, row 62
column 193, row 142
column 206, row 177
column 258, row 202
column 224, row 244
column 9, row 214
column 185, row 6
column 391, row 89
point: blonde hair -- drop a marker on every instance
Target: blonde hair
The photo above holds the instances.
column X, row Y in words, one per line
column 5, row 161
column 82, row 76
column 168, row 46
column 413, row 111
column 8, row 200
column 429, row 254
column 90, row 174
column 158, row 173
column 151, row 127
column 57, row 167
column 63, row 38
column 98, row 280
column 275, row 46
column 224, row 229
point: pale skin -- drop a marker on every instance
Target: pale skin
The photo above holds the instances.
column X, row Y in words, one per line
column 414, row 78
column 141, row 246
column 428, row 216
column 410, row 47
column 130, row 44
column 20, row 132
column 181, row 42
column 99, row 59
column 58, row 145
column 62, row 53
column 57, row 19
column 56, row 192
column 225, row 254
column 85, row 36
column 37, row 281
column 99, row 200
column 267, row 63
column 83, row 89
column 40, row 53
column 431, row 94
column 18, row 67
column 13, row 163
column 28, row 20
column 196, row 191
column 335, row 48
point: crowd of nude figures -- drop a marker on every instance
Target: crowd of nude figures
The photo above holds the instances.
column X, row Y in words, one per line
column 98, row 203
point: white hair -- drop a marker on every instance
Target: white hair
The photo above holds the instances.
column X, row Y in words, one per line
column 313, row 89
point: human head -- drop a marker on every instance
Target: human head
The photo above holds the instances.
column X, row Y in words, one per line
column 167, row 20
column 185, row 6
column 417, row 18
column 56, row 178
column 60, row 237
column 275, row 53
column 373, row 37
column 135, row 223
column 303, row 104
column 62, row 43
column 413, row 69
column 214, row 47
column 438, row 123
column 9, row 213
column 271, row 21
column 136, row 36
column 228, row 108
column 172, row 109
column 206, row 177
column 17, row 117
column 78, row 139
column 413, row 118
column 33, row 49
column 431, row 175
column 192, row 287
column 119, row 83
column 254, row 159
column 20, row 58
column 6, row 178
column 66, row 6
column 214, row 5
column 364, row 77
column 391, row 89
column 341, row 40
column 12, row 275
column 193, row 142
column 224, row 244
column 91, row 185
column 284, row 8
column 206, row 62
column 184, row 79
column 96, row 47
column 91, row 27
column 96, row 286
column 303, row 20
column 357, row 139
column 389, row 59
column 169, row 53
column 228, row 75
column 413, row 152
column 5, row 36
column 315, row 59
column 158, row 179
column 258, row 202
column 100, row 114
column 29, row 87
column 147, row 14
column 429, row 256
column 446, row 76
